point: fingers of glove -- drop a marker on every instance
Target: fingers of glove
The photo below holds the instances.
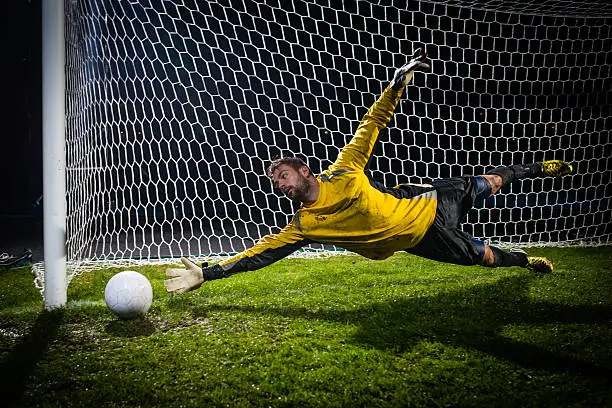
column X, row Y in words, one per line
column 175, row 272
column 417, row 61
column 419, row 55
column 174, row 285
column 189, row 264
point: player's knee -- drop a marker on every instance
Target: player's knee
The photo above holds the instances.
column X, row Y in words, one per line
column 484, row 253
column 495, row 182
column 483, row 187
column 488, row 258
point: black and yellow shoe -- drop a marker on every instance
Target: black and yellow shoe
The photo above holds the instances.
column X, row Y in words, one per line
column 539, row 264
column 8, row 261
column 556, row 168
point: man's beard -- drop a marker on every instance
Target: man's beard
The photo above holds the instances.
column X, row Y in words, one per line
column 300, row 191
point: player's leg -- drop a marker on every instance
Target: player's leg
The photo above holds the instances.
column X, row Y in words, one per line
column 457, row 247
column 494, row 179
column 495, row 257
column 446, row 242
column 508, row 174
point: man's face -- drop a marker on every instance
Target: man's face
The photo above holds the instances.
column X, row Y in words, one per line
column 293, row 183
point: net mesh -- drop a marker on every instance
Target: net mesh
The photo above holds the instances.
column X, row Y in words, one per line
column 174, row 109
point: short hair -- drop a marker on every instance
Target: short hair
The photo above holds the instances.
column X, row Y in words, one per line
column 294, row 162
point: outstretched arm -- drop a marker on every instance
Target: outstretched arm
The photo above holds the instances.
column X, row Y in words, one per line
column 356, row 153
column 266, row 251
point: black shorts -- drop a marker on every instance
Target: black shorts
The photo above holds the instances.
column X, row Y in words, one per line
column 444, row 241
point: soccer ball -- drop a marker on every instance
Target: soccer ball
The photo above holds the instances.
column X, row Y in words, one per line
column 128, row 294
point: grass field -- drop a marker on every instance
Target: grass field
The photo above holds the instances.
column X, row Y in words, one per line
column 336, row 332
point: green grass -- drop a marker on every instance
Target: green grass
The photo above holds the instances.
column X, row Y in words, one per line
column 337, row 332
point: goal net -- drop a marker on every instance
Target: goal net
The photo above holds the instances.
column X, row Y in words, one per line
column 175, row 108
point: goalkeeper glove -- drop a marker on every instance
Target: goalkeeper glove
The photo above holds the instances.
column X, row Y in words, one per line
column 192, row 277
column 403, row 75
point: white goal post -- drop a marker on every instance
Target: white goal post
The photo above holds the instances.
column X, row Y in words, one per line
column 54, row 158
column 175, row 107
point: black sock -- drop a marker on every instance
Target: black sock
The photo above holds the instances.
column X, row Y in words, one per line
column 503, row 258
column 517, row 172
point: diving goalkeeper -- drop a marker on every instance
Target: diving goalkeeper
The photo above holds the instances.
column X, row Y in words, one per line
column 343, row 207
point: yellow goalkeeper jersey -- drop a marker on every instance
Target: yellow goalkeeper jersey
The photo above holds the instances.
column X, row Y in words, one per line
column 352, row 211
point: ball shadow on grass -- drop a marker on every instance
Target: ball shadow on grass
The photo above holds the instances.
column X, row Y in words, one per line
column 137, row 327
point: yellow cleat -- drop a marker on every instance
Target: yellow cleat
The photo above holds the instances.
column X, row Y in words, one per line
column 539, row 264
column 556, row 168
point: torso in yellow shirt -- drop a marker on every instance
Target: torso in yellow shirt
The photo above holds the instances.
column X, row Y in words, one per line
column 362, row 216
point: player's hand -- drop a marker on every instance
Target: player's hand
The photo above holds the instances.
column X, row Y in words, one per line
column 402, row 75
column 185, row 280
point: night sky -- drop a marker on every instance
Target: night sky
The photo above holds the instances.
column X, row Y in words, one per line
column 21, row 143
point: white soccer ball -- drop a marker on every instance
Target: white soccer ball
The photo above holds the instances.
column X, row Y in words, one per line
column 128, row 294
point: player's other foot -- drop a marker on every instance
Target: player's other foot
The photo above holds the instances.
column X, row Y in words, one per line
column 535, row 263
column 556, row 168
column 13, row 261
column 539, row 264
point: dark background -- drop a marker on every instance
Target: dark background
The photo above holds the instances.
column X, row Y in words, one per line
column 482, row 106
column 21, row 140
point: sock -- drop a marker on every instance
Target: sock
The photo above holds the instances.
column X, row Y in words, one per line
column 503, row 258
column 517, row 172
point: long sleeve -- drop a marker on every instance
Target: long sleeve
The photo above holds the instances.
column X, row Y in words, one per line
column 266, row 251
column 356, row 153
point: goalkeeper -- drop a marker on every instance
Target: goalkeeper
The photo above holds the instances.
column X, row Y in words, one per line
column 343, row 207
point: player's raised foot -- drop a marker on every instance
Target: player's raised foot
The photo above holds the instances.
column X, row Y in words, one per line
column 556, row 168
column 539, row 264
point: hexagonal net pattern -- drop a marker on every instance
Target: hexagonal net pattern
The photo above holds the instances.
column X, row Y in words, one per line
column 175, row 108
